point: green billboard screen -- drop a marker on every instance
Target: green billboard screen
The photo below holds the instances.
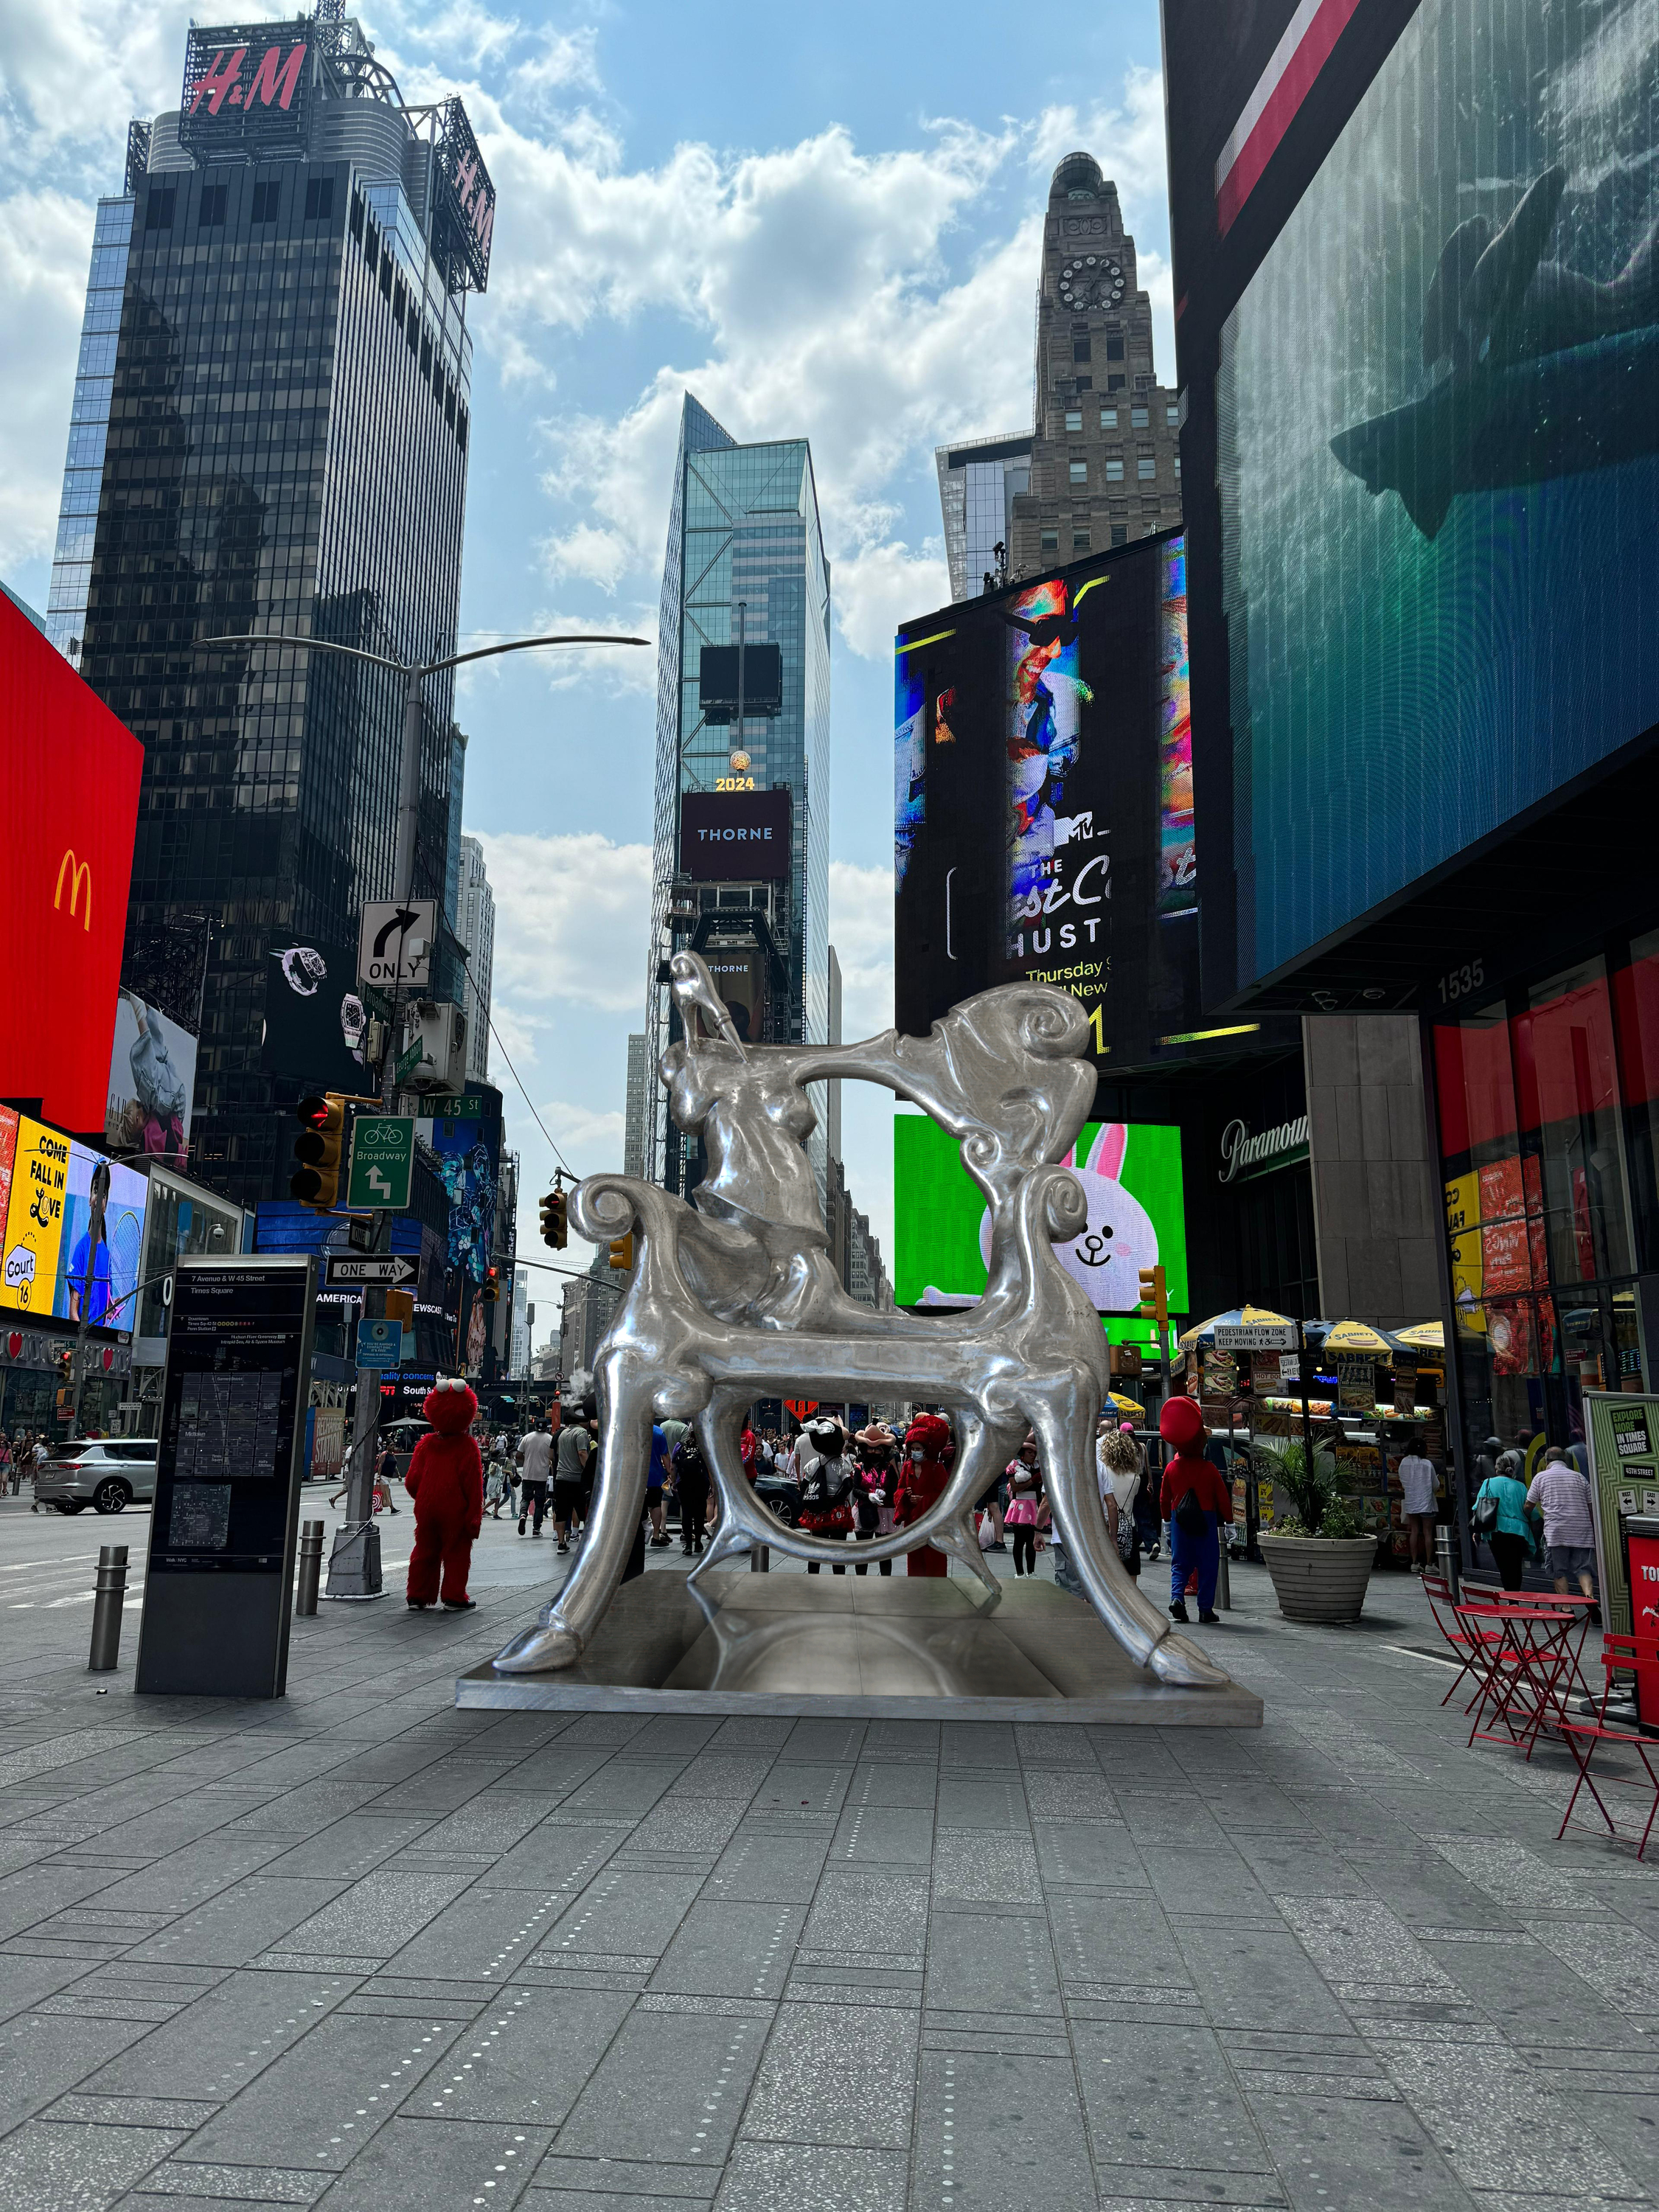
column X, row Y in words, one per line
column 1130, row 1171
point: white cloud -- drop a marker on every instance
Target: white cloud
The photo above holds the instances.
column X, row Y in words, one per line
column 572, row 918
column 592, row 1139
column 45, row 245
column 861, row 931
column 880, row 586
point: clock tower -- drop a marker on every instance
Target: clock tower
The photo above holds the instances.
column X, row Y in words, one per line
column 1105, row 454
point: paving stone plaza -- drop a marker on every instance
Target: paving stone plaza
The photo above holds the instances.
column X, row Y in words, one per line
column 356, row 1948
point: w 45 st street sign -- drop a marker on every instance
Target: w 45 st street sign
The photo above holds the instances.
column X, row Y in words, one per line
column 382, row 1162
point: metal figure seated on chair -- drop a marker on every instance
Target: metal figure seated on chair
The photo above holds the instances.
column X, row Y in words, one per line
column 734, row 1297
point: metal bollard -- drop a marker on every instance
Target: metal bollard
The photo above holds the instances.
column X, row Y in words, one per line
column 760, row 1559
column 1223, row 1581
column 310, row 1566
column 111, row 1593
column 1445, row 1556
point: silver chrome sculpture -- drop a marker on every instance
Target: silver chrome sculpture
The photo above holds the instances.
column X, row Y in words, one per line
column 734, row 1297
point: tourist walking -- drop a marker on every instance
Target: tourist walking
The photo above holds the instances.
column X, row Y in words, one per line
column 1195, row 1499
column 1562, row 1495
column 1503, row 1517
column 535, row 1464
column 691, row 1485
column 656, row 1476
column 1024, row 1481
column 1118, row 1464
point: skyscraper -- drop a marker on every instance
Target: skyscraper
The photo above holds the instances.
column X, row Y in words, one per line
column 475, row 924
column 640, row 1078
column 1101, row 462
column 745, row 736
column 1105, row 451
column 269, row 435
column 979, row 480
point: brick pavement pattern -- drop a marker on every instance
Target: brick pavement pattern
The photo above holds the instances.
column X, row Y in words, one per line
column 360, row 1949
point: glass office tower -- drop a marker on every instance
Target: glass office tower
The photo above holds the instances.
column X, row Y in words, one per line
column 745, row 555
column 270, row 436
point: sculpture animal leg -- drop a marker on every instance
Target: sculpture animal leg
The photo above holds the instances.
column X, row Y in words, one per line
column 720, row 1431
column 984, row 1448
column 565, row 1626
column 1066, row 1447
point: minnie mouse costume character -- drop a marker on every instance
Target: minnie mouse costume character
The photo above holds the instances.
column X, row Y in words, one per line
column 446, row 1480
column 925, row 1474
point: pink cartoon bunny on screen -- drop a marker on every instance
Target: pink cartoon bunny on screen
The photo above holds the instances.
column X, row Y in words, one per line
column 1107, row 1257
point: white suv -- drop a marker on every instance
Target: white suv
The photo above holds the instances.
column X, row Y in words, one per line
column 108, row 1474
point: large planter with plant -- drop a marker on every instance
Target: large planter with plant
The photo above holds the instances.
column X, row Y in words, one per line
column 1319, row 1562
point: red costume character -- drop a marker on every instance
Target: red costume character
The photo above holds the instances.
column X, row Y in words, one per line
column 446, row 1480
column 921, row 1482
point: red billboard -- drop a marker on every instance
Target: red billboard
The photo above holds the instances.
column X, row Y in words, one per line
column 69, row 796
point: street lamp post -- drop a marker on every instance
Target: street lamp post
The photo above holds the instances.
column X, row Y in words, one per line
column 413, row 675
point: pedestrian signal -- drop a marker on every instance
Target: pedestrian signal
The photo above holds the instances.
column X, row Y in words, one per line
column 622, row 1253
column 1154, row 1294
column 317, row 1151
column 555, row 1232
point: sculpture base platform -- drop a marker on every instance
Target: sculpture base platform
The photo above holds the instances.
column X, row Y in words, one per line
column 871, row 1649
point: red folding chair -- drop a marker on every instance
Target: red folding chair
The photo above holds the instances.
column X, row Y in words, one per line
column 1620, row 1655
column 1443, row 1609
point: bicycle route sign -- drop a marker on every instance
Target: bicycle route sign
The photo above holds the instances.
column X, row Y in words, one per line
column 382, row 1162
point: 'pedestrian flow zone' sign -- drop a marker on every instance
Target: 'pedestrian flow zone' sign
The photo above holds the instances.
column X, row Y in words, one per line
column 382, row 1162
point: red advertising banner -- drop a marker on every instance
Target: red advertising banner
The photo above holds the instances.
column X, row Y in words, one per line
column 69, row 796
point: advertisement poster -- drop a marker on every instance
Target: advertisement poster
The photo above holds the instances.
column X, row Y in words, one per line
column 49, row 1266
column 1434, row 578
column 1067, row 695
column 1356, row 1383
column 469, row 1154
column 1130, row 1173
column 314, row 1018
column 152, row 1077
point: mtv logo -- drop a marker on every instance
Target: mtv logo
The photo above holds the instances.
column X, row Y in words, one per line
column 1074, row 828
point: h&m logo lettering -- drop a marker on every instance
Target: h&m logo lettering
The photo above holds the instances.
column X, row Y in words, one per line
column 272, row 85
column 78, row 876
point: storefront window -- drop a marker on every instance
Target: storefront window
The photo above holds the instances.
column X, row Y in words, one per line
column 1636, row 1004
column 1567, row 1081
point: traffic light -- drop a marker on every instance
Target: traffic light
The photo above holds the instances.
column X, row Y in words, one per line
column 317, row 1151
column 491, row 1289
column 64, row 1360
column 622, row 1253
column 1154, row 1295
column 554, row 1230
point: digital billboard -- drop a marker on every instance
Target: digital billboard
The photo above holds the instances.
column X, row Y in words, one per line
column 1131, row 1175
column 315, row 1018
column 1437, row 458
column 1043, row 818
column 739, row 836
column 152, row 1076
column 69, row 797
column 49, row 1264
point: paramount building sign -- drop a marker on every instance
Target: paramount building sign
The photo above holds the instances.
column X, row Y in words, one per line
column 1243, row 1155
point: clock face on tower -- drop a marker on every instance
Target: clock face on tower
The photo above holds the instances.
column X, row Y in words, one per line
column 1091, row 280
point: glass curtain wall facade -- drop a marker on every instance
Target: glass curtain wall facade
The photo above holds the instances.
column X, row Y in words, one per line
column 284, row 378
column 743, row 542
column 1547, row 1104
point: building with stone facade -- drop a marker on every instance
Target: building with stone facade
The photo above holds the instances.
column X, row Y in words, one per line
column 1102, row 464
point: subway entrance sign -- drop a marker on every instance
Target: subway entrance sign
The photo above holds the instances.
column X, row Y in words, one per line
column 382, row 1162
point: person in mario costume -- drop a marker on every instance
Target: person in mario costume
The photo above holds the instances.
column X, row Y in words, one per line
column 446, row 1480
column 1195, row 1500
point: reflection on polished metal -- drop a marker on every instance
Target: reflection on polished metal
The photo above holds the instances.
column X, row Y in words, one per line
column 908, row 1649
column 734, row 1297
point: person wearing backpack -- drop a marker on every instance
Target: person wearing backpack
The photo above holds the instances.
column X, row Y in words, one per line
column 1197, row 1498
column 691, row 1485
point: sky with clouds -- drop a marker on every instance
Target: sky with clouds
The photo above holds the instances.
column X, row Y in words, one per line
column 824, row 222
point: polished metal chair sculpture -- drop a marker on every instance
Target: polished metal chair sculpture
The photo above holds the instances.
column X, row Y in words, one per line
column 734, row 1297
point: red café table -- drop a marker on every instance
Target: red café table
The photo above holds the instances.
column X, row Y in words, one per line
column 1525, row 1652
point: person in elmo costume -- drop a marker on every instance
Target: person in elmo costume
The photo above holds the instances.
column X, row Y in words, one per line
column 446, row 1480
column 1195, row 1500
column 921, row 1482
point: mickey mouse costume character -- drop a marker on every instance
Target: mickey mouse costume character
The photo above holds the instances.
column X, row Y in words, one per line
column 1194, row 1501
column 446, row 1480
column 921, row 1484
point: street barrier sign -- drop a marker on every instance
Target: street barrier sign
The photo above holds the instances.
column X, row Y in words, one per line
column 382, row 1163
